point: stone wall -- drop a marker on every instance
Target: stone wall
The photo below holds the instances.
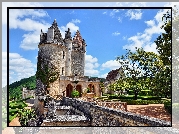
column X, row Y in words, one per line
column 66, row 123
column 103, row 116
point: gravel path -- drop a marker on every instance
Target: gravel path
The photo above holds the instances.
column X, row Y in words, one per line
column 151, row 110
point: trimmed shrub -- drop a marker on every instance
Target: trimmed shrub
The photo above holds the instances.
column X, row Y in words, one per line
column 130, row 92
column 126, row 97
column 113, row 97
column 150, row 98
column 142, row 102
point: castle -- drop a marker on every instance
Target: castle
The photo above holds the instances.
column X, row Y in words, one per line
column 68, row 56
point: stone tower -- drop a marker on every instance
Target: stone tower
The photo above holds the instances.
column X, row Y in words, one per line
column 66, row 54
column 78, row 55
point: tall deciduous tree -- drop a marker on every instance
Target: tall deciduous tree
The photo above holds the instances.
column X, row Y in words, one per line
column 164, row 47
column 144, row 65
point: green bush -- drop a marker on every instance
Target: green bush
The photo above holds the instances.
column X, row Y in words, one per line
column 126, row 97
column 13, row 111
column 168, row 106
column 130, row 92
column 19, row 105
column 25, row 115
column 11, row 117
column 75, row 93
column 150, row 98
column 145, row 92
column 142, row 102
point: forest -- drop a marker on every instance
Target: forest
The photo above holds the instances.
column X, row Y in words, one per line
column 15, row 89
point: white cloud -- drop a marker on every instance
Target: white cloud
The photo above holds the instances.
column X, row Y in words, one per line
column 124, row 37
column 75, row 21
column 17, row 12
column 30, row 41
column 135, row 41
column 25, row 19
column 116, row 33
column 119, row 19
column 104, row 12
column 72, row 26
column 27, row 24
column 116, row 10
column 135, row 14
column 113, row 12
column 151, row 48
column 91, row 63
column 17, row 69
column 144, row 39
column 103, row 75
column 111, row 64
column 72, row 12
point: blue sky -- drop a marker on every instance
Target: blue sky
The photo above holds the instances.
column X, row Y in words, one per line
column 107, row 32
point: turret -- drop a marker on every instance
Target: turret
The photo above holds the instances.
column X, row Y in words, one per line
column 68, row 44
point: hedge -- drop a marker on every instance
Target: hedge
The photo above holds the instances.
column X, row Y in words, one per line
column 139, row 97
column 113, row 97
column 142, row 102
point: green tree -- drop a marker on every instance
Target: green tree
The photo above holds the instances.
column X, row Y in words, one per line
column 144, row 65
column 164, row 47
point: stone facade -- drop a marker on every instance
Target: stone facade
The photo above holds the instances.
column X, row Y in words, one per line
column 67, row 55
column 27, row 93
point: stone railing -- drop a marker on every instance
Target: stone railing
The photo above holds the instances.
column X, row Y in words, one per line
column 115, row 105
column 110, row 104
column 103, row 116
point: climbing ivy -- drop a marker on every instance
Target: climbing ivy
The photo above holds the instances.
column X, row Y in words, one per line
column 46, row 72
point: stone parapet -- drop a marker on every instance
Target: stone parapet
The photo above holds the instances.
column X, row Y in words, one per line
column 103, row 116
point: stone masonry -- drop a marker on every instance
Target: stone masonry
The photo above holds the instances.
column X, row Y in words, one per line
column 68, row 56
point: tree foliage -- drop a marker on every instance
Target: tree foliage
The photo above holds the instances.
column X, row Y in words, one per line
column 15, row 89
column 148, row 69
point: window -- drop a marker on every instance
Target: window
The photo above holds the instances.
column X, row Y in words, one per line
column 62, row 70
column 63, row 54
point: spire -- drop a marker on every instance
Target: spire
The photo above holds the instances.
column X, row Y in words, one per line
column 78, row 38
column 57, row 34
column 54, row 22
